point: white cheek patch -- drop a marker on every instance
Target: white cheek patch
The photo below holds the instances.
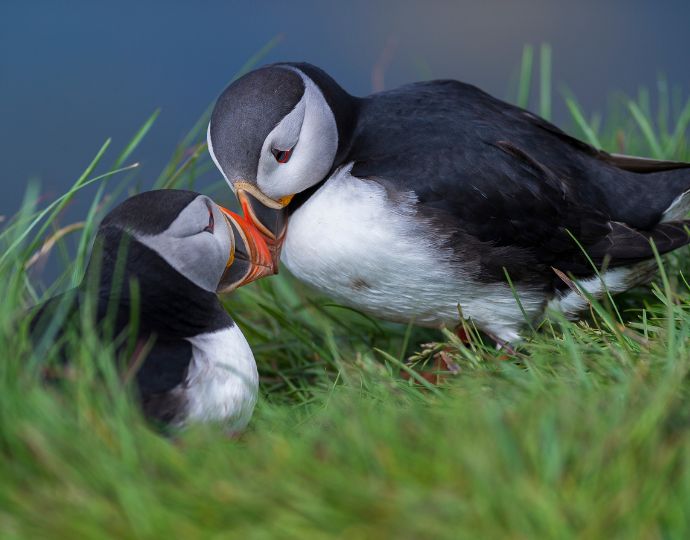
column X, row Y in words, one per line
column 199, row 256
column 310, row 127
column 286, row 134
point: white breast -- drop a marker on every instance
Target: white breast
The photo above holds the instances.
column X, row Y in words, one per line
column 222, row 382
column 351, row 241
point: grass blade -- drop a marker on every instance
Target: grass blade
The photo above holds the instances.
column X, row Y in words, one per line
column 681, row 129
column 134, row 142
column 545, row 81
column 525, row 76
column 55, row 207
column 647, row 130
column 586, row 129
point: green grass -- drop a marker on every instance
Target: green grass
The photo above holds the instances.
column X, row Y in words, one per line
column 584, row 433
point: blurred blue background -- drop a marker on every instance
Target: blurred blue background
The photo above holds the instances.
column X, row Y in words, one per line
column 74, row 73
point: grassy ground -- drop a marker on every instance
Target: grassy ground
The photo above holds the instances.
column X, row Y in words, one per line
column 584, row 433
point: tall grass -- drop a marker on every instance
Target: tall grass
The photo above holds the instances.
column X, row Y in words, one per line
column 583, row 432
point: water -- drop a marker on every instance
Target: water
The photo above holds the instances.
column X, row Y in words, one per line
column 74, row 73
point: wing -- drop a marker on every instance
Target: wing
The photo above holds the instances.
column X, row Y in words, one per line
column 506, row 185
column 161, row 363
column 164, row 368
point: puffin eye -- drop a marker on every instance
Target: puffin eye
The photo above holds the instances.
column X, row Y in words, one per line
column 211, row 224
column 282, row 156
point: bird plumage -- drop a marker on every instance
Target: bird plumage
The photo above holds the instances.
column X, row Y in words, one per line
column 166, row 327
column 487, row 189
column 501, row 175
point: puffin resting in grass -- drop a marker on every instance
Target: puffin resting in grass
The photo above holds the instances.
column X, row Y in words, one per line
column 411, row 203
column 191, row 362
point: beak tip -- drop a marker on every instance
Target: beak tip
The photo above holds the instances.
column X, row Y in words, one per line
column 256, row 252
column 265, row 227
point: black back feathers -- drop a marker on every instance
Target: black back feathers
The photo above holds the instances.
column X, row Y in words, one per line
column 509, row 188
column 141, row 303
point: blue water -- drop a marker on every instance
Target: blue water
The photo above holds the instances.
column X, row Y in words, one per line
column 74, row 73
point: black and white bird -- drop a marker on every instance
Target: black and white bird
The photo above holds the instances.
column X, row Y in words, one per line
column 181, row 249
column 409, row 203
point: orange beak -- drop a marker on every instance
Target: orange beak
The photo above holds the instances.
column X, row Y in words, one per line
column 250, row 259
column 270, row 223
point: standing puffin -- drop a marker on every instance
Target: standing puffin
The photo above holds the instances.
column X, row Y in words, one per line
column 410, row 203
column 181, row 249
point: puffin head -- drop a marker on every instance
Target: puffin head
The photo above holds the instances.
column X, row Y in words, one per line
column 274, row 133
column 212, row 247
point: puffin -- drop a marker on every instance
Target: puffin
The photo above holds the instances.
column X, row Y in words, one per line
column 158, row 262
column 435, row 201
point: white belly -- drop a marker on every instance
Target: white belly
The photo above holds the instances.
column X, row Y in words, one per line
column 222, row 382
column 350, row 241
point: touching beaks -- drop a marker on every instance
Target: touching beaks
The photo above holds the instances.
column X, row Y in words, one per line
column 266, row 215
column 250, row 258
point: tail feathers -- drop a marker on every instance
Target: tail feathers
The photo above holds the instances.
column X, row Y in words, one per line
column 648, row 191
column 630, row 259
column 625, row 245
column 643, row 165
column 657, row 202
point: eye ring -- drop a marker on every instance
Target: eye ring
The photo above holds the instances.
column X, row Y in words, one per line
column 282, row 156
